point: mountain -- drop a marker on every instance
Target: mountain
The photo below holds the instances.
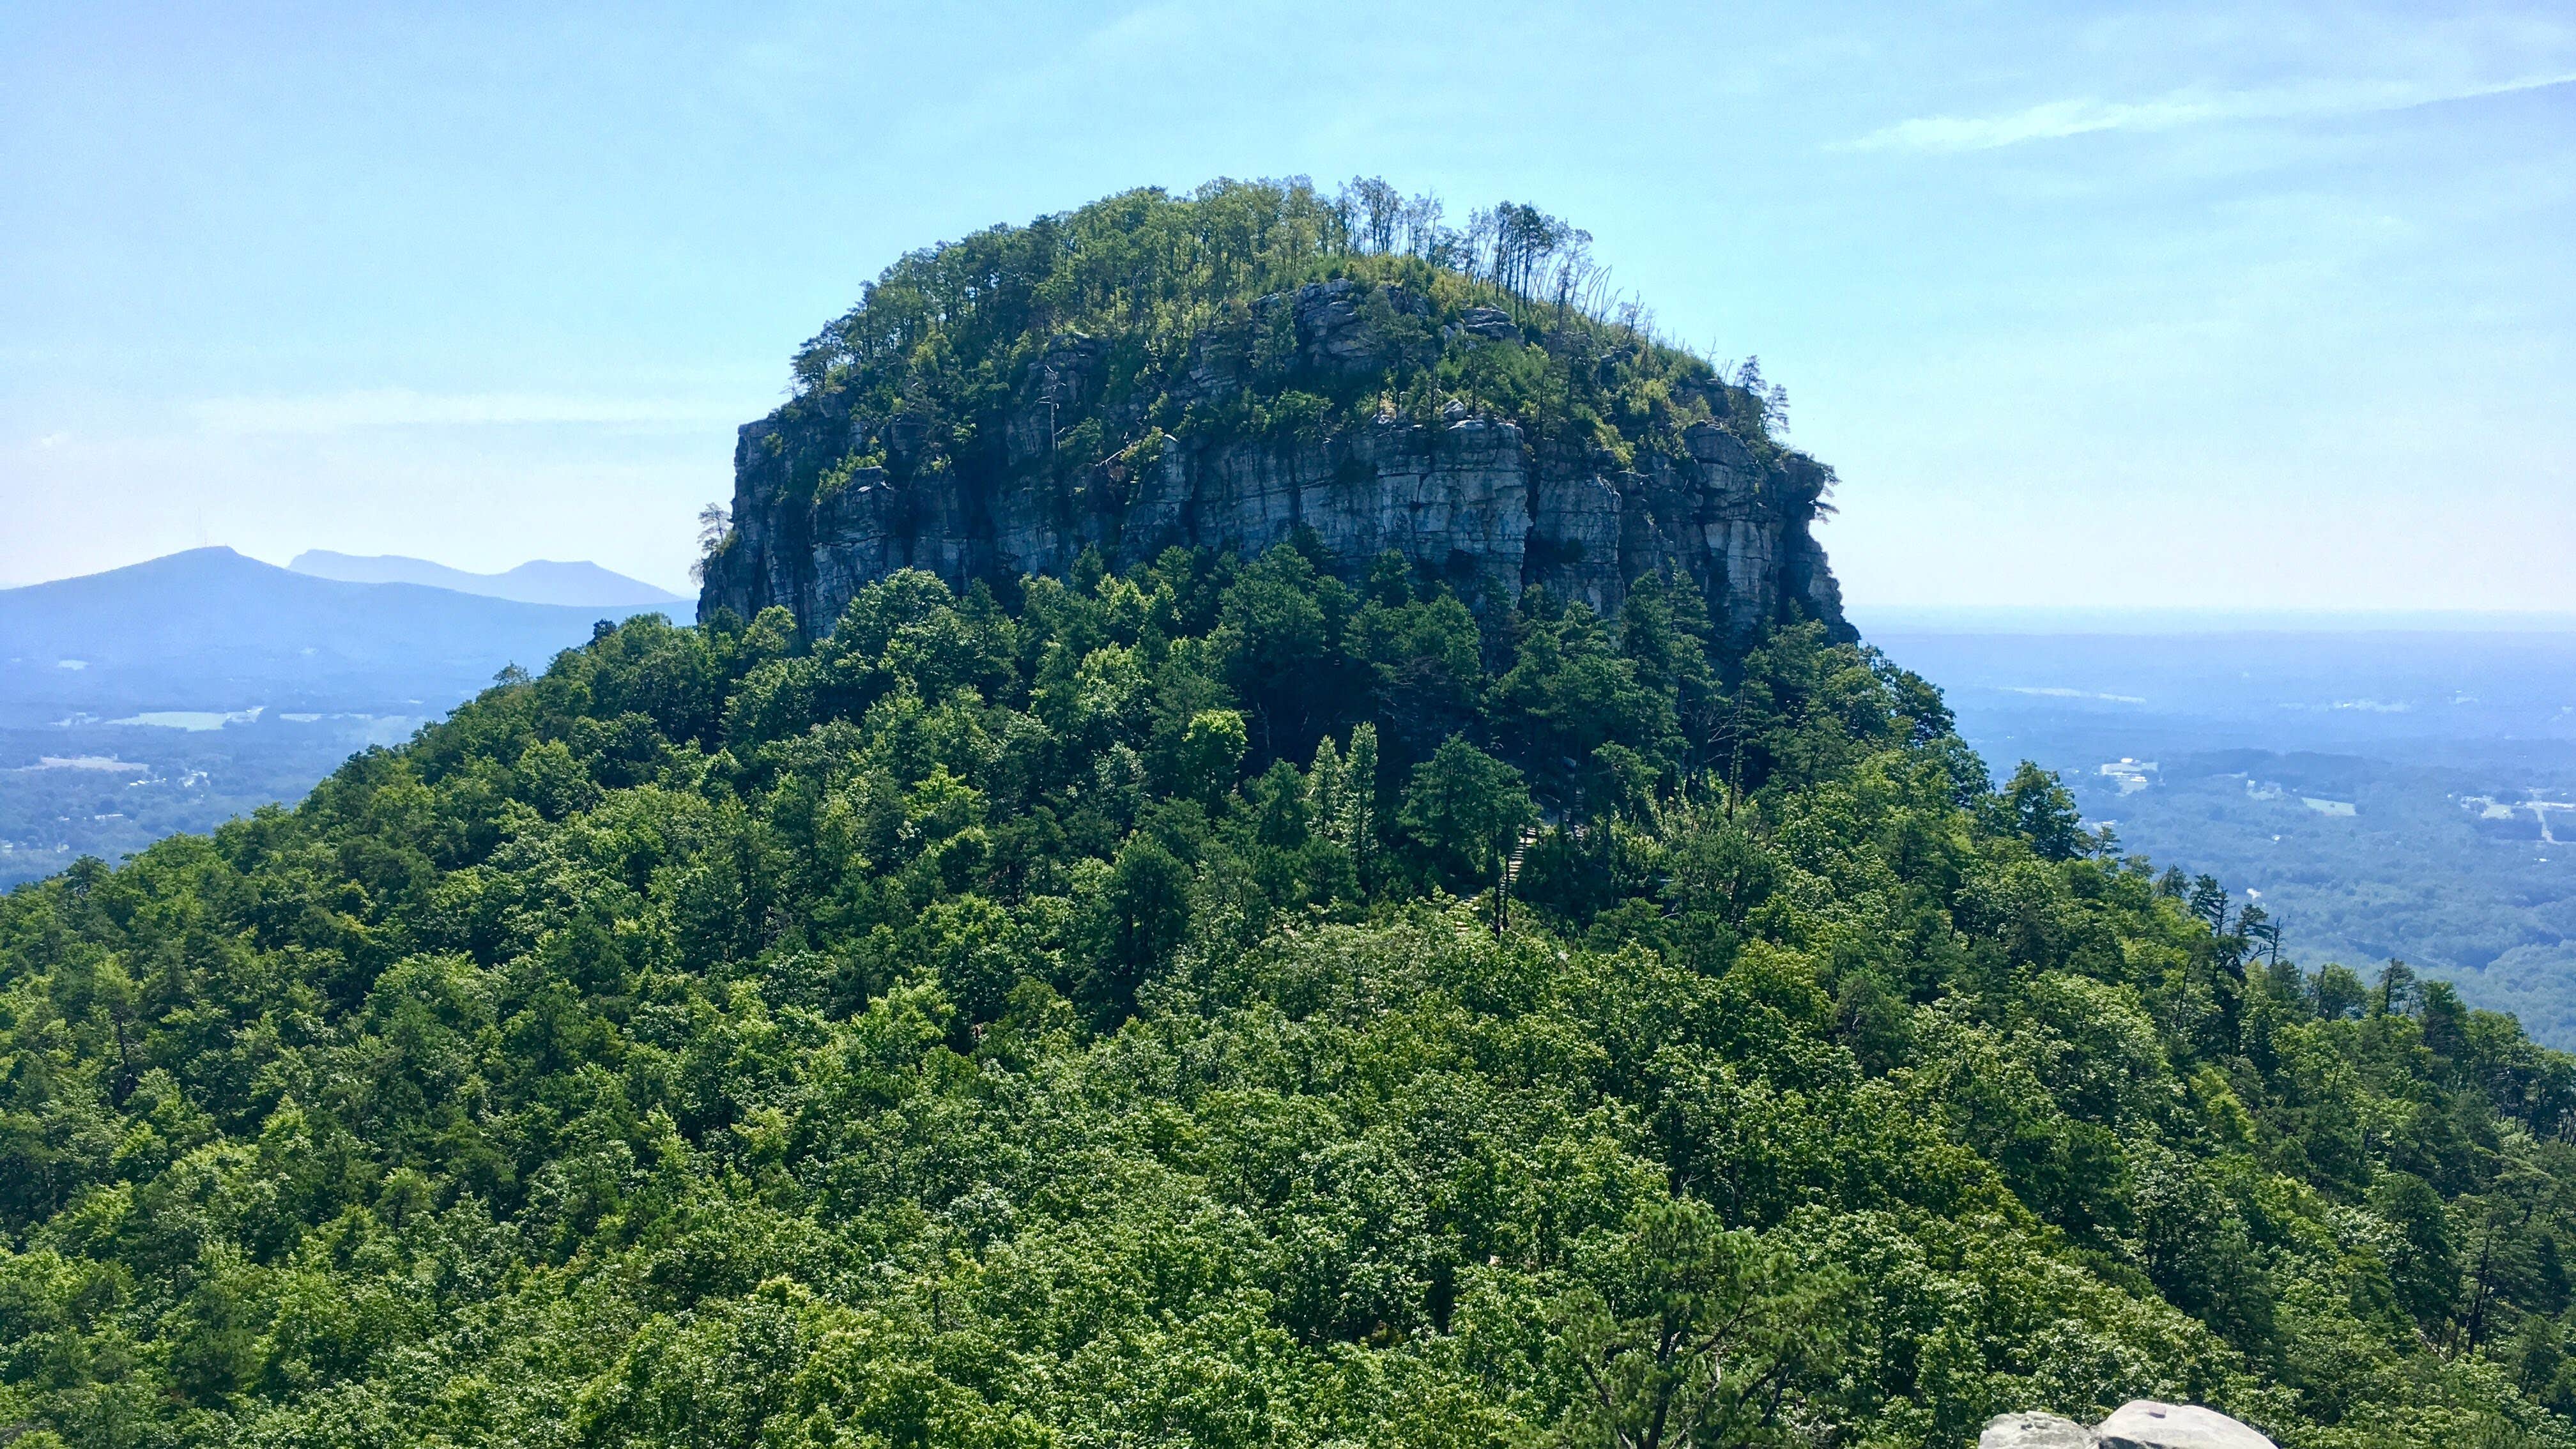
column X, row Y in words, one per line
column 542, row 581
column 1376, row 408
column 209, row 629
column 1241, row 997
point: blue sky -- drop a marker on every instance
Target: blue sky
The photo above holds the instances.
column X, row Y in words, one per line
column 2134, row 306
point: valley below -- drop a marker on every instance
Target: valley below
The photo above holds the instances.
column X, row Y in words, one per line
column 2384, row 794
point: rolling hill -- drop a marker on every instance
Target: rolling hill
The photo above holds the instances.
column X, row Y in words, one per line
column 540, row 581
column 210, row 629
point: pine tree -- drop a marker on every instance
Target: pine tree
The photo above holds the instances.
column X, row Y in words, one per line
column 1359, row 799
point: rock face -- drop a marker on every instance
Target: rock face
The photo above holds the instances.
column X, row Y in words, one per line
column 2139, row 1424
column 826, row 502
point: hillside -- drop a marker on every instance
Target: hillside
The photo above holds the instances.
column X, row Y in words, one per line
column 1209, row 1000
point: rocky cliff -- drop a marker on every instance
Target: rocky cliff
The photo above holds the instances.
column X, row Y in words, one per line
column 1281, row 418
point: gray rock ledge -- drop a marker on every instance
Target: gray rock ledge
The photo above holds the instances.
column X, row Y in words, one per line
column 2036, row 1431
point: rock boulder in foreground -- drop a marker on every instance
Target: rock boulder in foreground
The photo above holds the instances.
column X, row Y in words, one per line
column 2139, row 1424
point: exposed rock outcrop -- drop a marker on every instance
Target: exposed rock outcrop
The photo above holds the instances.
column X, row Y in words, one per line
column 2139, row 1424
column 826, row 502
column 2146, row 1424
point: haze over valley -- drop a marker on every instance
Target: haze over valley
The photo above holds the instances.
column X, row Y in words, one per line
column 174, row 694
column 2386, row 787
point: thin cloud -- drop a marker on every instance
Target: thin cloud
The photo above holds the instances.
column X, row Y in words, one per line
column 404, row 408
column 1141, row 34
column 2057, row 120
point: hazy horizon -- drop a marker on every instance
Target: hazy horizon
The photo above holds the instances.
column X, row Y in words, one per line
column 2154, row 307
column 1873, row 619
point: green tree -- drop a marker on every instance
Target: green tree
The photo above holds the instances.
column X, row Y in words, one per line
column 2044, row 813
column 1686, row 1333
column 1568, row 694
column 1145, row 918
column 1466, row 809
column 1212, row 748
column 1278, row 636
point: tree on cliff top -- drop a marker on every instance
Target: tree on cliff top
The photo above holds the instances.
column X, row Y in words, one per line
column 948, row 333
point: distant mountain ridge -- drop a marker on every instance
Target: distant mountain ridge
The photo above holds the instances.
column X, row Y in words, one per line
column 2110, row 621
column 212, row 629
column 540, row 581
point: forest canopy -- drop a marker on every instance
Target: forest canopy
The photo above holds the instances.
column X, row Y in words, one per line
column 1041, row 1025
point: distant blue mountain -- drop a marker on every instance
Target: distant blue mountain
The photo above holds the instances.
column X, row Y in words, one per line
column 583, row 585
column 2034, row 620
column 212, row 630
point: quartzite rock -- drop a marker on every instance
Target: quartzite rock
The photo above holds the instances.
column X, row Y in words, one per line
column 2140, row 1424
column 2146, row 1424
column 1466, row 499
